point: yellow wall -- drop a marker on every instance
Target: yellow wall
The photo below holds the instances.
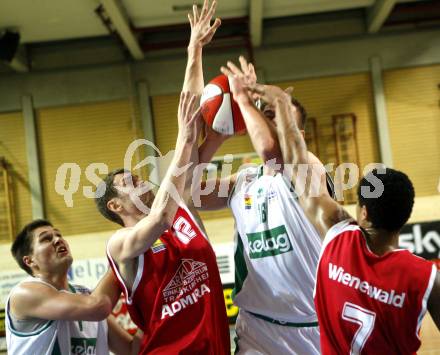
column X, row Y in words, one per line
column 82, row 134
column 413, row 105
column 13, row 148
column 324, row 97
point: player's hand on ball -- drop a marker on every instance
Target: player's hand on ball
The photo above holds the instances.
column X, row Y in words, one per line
column 246, row 72
column 238, row 87
column 213, row 136
column 201, row 29
column 189, row 117
column 270, row 93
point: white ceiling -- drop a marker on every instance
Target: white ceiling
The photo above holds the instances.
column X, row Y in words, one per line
column 49, row 20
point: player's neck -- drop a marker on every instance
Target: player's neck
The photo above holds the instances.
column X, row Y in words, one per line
column 380, row 241
column 131, row 220
column 59, row 281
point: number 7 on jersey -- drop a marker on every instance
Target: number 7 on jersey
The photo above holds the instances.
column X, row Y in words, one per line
column 365, row 319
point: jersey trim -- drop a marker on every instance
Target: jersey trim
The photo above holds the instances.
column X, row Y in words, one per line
column 241, row 271
column 22, row 334
column 425, row 299
column 140, row 268
column 335, row 231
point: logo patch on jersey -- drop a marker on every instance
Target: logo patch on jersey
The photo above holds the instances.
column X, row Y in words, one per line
column 184, row 230
column 83, row 346
column 247, row 202
column 158, row 246
column 271, row 242
column 186, row 287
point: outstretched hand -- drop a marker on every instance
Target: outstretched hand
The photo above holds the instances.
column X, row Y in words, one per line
column 201, row 29
column 239, row 89
column 189, row 117
column 270, row 93
column 246, row 72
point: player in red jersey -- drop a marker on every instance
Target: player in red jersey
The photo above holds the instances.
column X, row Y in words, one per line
column 162, row 259
column 370, row 296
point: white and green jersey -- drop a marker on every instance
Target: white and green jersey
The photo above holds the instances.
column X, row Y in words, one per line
column 276, row 250
column 55, row 337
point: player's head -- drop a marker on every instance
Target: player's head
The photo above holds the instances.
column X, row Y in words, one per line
column 301, row 114
column 40, row 249
column 385, row 200
column 116, row 201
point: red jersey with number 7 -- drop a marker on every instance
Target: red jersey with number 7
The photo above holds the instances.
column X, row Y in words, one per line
column 177, row 296
column 369, row 304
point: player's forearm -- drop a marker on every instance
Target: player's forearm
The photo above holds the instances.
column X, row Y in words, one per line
column 108, row 286
column 209, row 147
column 171, row 190
column 193, row 81
column 163, row 209
column 292, row 143
column 263, row 138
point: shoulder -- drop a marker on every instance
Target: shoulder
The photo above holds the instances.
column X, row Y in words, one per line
column 345, row 228
column 28, row 294
column 117, row 237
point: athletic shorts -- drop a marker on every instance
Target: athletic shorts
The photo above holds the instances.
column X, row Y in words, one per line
column 256, row 336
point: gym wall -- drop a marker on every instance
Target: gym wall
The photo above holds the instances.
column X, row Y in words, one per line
column 413, row 105
column 13, row 149
column 82, row 134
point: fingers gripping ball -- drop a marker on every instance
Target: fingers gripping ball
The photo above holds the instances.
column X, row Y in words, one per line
column 219, row 109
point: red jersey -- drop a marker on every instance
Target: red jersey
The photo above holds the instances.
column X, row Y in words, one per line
column 367, row 303
column 177, row 296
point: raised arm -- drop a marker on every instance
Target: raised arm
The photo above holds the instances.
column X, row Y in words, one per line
column 201, row 34
column 127, row 245
column 319, row 207
column 262, row 134
column 37, row 300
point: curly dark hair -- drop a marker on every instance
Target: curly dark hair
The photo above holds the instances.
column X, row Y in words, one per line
column 392, row 209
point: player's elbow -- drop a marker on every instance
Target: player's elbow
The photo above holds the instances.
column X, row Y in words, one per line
column 100, row 308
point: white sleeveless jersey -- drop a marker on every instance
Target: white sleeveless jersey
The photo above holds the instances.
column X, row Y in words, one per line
column 276, row 249
column 58, row 337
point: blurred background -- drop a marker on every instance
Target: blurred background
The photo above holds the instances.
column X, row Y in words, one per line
column 80, row 80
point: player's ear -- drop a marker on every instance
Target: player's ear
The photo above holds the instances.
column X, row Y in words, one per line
column 303, row 133
column 28, row 260
column 114, row 205
column 364, row 213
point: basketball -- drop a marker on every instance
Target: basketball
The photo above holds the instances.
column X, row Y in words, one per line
column 219, row 110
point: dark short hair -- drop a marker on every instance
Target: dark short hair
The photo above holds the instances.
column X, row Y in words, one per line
column 23, row 243
column 302, row 111
column 392, row 209
column 109, row 192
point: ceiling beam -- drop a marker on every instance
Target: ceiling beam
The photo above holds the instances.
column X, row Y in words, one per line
column 256, row 22
column 120, row 22
column 378, row 13
column 20, row 61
